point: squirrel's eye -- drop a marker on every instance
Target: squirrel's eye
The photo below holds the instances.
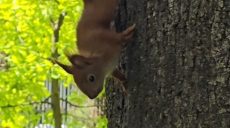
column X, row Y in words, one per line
column 91, row 77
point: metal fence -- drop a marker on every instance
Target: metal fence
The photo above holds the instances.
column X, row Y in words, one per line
column 45, row 105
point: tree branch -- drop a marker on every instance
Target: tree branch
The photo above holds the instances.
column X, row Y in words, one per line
column 55, row 101
column 25, row 104
column 77, row 106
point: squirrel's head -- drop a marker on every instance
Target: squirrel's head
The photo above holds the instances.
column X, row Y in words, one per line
column 87, row 73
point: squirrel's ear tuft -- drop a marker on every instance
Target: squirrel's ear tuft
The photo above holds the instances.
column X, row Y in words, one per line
column 67, row 68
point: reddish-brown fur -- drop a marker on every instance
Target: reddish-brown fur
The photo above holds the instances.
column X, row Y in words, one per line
column 99, row 46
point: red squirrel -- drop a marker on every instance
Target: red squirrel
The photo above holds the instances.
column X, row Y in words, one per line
column 99, row 47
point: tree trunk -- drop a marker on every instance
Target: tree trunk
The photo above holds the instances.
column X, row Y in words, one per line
column 178, row 65
column 55, row 91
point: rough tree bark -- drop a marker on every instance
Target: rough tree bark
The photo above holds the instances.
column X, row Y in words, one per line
column 178, row 65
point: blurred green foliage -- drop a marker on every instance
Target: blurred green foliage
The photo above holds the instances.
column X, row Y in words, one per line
column 25, row 46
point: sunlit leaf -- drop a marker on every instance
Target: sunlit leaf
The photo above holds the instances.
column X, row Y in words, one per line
column 30, row 58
